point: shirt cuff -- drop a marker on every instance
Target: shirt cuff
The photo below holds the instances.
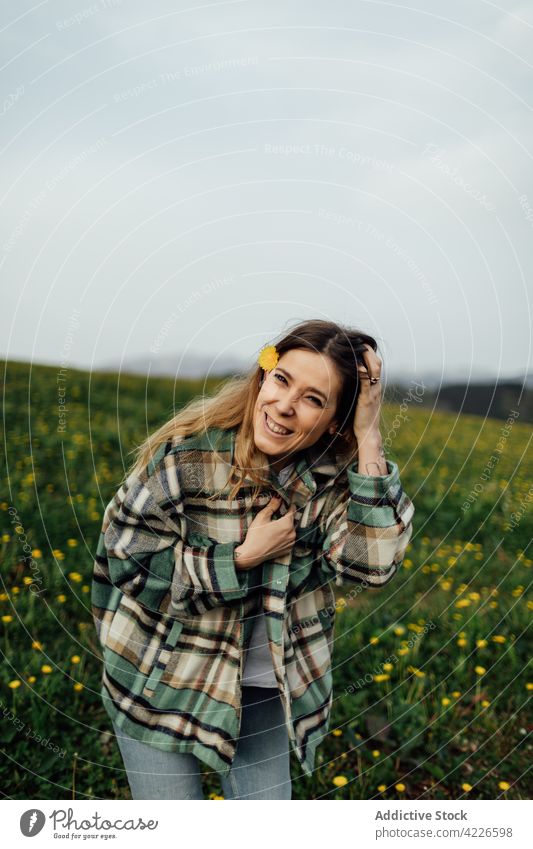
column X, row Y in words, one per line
column 233, row 582
column 372, row 497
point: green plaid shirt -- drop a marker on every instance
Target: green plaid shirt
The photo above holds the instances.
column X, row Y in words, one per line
column 174, row 616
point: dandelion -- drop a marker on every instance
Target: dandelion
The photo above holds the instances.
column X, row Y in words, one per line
column 382, row 788
column 75, row 658
column 466, row 787
column 78, row 686
column 75, row 576
column 37, row 645
column 14, row 684
column 415, row 671
column 481, row 644
column 388, row 667
column 15, row 590
column 72, row 543
column 61, row 598
column 400, row 787
column 340, row 780
column 383, row 677
column 375, row 753
column 399, row 630
column 46, row 670
column 4, row 596
column 5, row 537
column 504, row 785
column 58, row 554
column 7, row 617
column 337, row 732
column 529, row 685
column 463, row 602
column 474, row 596
column 445, row 701
column 268, row 357
column 27, row 579
column 461, row 642
column 373, row 641
column 480, row 670
column 456, row 694
column 36, row 553
column 485, row 703
column 498, row 638
column 32, row 679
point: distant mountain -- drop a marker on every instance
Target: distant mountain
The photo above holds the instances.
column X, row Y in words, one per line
column 185, row 366
column 195, row 365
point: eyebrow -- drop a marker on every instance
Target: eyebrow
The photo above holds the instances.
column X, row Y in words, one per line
column 312, row 388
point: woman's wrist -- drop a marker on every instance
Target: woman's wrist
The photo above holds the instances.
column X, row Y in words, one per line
column 371, row 456
column 242, row 561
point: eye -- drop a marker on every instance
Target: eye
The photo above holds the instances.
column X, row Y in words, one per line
column 282, row 377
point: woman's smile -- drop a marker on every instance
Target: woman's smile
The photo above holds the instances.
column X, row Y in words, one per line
column 275, row 429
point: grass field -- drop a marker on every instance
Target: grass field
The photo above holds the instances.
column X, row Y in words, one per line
column 432, row 677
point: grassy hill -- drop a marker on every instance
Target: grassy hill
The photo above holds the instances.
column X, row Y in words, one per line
column 431, row 672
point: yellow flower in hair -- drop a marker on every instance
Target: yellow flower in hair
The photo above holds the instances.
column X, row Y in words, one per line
column 268, row 357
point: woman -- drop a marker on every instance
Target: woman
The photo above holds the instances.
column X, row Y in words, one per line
column 211, row 593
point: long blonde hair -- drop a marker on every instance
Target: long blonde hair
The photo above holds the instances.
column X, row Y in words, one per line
column 233, row 405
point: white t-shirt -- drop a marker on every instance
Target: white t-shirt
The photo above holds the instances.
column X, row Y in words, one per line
column 258, row 669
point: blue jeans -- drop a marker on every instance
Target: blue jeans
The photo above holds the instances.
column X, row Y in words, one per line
column 260, row 770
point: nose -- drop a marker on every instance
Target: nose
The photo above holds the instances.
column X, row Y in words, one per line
column 285, row 407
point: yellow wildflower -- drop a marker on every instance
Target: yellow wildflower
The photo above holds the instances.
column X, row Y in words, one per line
column 78, row 686
column 466, row 787
column 504, row 785
column 75, row 658
column 380, row 678
column 268, row 357
column 7, row 617
column 75, row 576
column 340, row 780
column 400, row 787
column 46, row 669
column 480, row 670
column 498, row 638
column 36, row 644
column 14, row 684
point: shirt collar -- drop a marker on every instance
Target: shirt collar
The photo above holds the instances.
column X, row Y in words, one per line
column 312, row 465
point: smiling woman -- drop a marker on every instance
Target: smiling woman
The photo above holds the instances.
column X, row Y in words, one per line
column 211, row 593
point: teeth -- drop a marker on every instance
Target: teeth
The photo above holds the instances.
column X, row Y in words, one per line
column 275, row 427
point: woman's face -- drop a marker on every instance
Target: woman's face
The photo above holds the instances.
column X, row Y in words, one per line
column 300, row 395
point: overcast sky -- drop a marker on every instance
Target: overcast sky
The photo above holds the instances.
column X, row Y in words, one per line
column 196, row 180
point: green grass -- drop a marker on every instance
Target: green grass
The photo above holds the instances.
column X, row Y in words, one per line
column 414, row 716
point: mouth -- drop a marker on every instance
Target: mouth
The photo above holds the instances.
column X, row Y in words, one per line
column 274, row 429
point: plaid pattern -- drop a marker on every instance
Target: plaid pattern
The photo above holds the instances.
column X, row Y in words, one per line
column 174, row 616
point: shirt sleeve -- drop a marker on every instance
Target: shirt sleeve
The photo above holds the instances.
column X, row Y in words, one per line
column 366, row 531
column 152, row 557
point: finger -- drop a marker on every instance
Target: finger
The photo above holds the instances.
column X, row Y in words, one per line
column 273, row 504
